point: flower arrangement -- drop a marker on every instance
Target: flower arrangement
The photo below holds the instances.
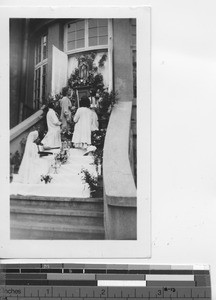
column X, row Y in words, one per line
column 46, row 178
column 87, row 74
column 94, row 80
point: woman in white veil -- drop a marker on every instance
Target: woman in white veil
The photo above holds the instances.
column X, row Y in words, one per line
column 30, row 168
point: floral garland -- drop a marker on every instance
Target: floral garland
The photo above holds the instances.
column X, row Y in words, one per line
column 92, row 79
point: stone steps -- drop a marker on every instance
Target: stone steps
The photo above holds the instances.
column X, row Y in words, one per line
column 45, row 231
column 36, row 217
column 57, row 216
column 93, row 204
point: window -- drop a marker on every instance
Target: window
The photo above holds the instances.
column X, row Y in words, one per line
column 40, row 75
column 76, row 35
column 97, row 32
column 88, row 34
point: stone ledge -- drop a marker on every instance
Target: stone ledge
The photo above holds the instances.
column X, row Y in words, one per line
column 119, row 183
column 26, row 124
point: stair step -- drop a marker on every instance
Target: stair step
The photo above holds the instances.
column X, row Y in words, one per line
column 35, row 230
column 93, row 204
column 57, row 216
column 54, row 198
column 55, row 212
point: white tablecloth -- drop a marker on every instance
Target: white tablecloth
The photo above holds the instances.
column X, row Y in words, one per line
column 66, row 183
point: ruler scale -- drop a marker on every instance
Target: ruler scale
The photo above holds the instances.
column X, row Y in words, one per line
column 95, row 281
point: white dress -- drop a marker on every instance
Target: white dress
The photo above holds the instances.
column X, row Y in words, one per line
column 82, row 130
column 32, row 167
column 53, row 137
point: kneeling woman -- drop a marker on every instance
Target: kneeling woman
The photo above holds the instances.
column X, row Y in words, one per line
column 32, row 167
column 83, row 119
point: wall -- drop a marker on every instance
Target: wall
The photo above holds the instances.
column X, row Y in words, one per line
column 120, row 198
column 16, row 44
column 30, row 74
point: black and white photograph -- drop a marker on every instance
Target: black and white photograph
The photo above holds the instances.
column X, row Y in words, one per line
column 73, row 139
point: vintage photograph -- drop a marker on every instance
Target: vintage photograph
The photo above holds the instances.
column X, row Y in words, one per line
column 73, row 136
column 75, row 130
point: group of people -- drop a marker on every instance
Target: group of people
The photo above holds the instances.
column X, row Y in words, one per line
column 85, row 119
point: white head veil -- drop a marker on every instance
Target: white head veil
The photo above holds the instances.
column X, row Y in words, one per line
column 26, row 170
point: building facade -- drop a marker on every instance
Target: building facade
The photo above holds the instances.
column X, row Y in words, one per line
column 45, row 52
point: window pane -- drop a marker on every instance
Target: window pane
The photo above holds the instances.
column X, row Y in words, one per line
column 92, row 23
column 103, row 40
column 102, row 22
column 80, row 43
column 44, row 83
column 37, row 88
column 71, row 27
column 103, row 30
column 80, row 34
column 71, row 36
column 92, row 32
column 44, row 71
column 92, row 41
column 38, row 75
column 80, row 25
column 44, row 39
column 38, row 52
column 71, row 45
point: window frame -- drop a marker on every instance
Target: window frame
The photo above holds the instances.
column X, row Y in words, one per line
column 38, row 102
column 86, row 36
